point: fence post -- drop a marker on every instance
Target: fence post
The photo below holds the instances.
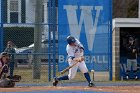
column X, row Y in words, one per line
column 1, row 29
column 52, row 19
column 37, row 39
column 49, row 37
column 110, row 61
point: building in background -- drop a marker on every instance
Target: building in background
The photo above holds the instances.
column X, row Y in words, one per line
column 19, row 15
column 22, row 11
column 122, row 29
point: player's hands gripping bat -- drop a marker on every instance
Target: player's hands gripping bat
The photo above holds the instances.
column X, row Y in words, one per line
column 80, row 59
column 75, row 60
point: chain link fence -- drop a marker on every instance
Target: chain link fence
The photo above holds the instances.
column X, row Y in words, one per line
column 33, row 31
column 31, row 27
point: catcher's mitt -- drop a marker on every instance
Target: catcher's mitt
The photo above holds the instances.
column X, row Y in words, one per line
column 15, row 78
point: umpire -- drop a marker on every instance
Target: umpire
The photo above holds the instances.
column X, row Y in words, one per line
column 132, row 52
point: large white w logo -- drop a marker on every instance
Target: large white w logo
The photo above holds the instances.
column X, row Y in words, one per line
column 86, row 19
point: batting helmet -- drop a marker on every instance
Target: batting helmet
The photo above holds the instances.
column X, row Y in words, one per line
column 71, row 39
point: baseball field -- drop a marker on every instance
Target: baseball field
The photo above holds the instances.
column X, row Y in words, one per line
column 76, row 87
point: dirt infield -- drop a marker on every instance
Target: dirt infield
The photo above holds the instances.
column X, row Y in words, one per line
column 120, row 89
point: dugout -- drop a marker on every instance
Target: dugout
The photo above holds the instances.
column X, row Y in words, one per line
column 122, row 29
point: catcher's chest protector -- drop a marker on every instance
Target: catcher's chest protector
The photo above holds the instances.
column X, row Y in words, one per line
column 6, row 83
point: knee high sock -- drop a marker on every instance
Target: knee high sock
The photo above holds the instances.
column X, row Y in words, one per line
column 135, row 72
column 87, row 77
column 127, row 72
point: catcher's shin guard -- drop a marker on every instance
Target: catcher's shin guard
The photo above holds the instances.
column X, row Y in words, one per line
column 6, row 83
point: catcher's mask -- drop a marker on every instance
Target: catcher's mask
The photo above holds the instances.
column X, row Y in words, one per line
column 4, row 54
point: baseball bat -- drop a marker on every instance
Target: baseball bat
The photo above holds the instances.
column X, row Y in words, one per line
column 66, row 69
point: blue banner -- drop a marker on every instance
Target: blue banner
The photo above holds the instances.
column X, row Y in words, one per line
column 90, row 22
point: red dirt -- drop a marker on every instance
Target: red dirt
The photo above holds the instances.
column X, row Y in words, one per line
column 120, row 89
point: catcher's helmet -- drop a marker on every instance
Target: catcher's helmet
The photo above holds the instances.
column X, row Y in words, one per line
column 71, row 39
column 4, row 54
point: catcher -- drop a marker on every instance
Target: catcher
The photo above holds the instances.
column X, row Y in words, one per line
column 5, row 80
column 75, row 54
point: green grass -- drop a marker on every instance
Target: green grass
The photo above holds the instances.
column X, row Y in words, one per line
column 27, row 75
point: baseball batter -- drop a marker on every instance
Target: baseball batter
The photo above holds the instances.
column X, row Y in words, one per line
column 75, row 51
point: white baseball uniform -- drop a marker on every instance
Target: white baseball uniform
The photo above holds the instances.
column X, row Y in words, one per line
column 75, row 52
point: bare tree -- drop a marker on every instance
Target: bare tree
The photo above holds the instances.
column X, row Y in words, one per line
column 125, row 8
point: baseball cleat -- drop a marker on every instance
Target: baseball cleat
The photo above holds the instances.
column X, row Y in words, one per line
column 91, row 84
column 55, row 81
